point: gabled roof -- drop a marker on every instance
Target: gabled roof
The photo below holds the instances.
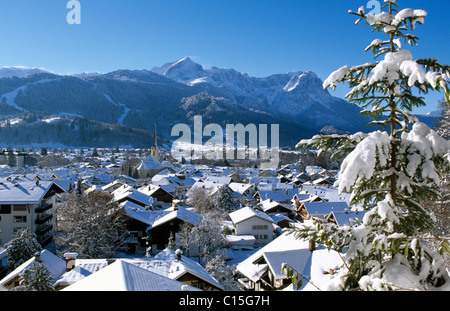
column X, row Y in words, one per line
column 325, row 208
column 246, row 213
column 180, row 213
column 124, row 276
column 284, row 242
column 150, row 163
column 295, row 258
column 294, row 252
column 268, row 205
column 55, row 265
column 346, row 218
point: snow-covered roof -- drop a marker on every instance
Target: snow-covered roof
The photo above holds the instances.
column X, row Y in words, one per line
column 325, row 208
column 268, row 204
column 124, row 276
column 294, row 252
column 55, row 265
column 127, row 192
column 295, row 258
column 180, row 213
column 26, row 192
column 347, row 218
column 141, row 214
column 167, row 264
column 277, row 195
column 150, row 163
column 245, row 213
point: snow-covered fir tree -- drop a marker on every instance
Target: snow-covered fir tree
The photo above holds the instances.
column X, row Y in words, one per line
column 224, row 199
column 23, row 246
column 35, row 278
column 390, row 170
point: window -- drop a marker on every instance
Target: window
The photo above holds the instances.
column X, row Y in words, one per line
column 5, row 209
column 260, row 227
column 20, row 208
column 20, row 218
column 263, row 236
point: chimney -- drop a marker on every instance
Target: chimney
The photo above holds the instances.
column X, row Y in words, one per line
column 37, row 257
column 179, row 253
column 70, row 260
column 110, row 261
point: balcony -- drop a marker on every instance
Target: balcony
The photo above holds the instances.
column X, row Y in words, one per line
column 44, row 230
column 43, row 219
column 43, row 208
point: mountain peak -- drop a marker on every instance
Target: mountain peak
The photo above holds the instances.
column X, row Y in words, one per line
column 182, row 70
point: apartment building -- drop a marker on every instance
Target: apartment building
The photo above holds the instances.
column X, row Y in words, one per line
column 28, row 204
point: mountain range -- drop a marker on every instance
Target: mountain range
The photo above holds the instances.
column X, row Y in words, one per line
column 133, row 101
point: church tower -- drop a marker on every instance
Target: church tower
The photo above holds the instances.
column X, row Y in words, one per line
column 154, row 152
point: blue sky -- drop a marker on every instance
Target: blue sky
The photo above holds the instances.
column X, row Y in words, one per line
column 259, row 37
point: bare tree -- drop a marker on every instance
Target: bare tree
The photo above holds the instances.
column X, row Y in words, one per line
column 91, row 225
column 200, row 199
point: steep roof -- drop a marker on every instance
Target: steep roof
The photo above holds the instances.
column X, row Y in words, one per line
column 55, row 265
column 150, row 163
column 124, row 276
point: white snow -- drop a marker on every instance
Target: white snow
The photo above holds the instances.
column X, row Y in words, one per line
column 336, row 76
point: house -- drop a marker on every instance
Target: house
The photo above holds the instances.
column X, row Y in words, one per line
column 242, row 191
column 149, row 167
column 321, row 210
column 174, row 265
column 139, row 218
column 159, row 232
column 168, row 264
column 127, row 193
column 55, row 265
column 28, row 204
column 180, row 183
column 263, row 269
column 158, row 193
column 248, row 221
column 124, row 276
column 269, row 206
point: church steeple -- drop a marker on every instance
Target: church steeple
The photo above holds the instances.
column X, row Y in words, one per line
column 155, row 150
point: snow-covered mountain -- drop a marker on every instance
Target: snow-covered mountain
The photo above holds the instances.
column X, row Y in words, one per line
column 175, row 92
column 19, row 71
column 297, row 95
